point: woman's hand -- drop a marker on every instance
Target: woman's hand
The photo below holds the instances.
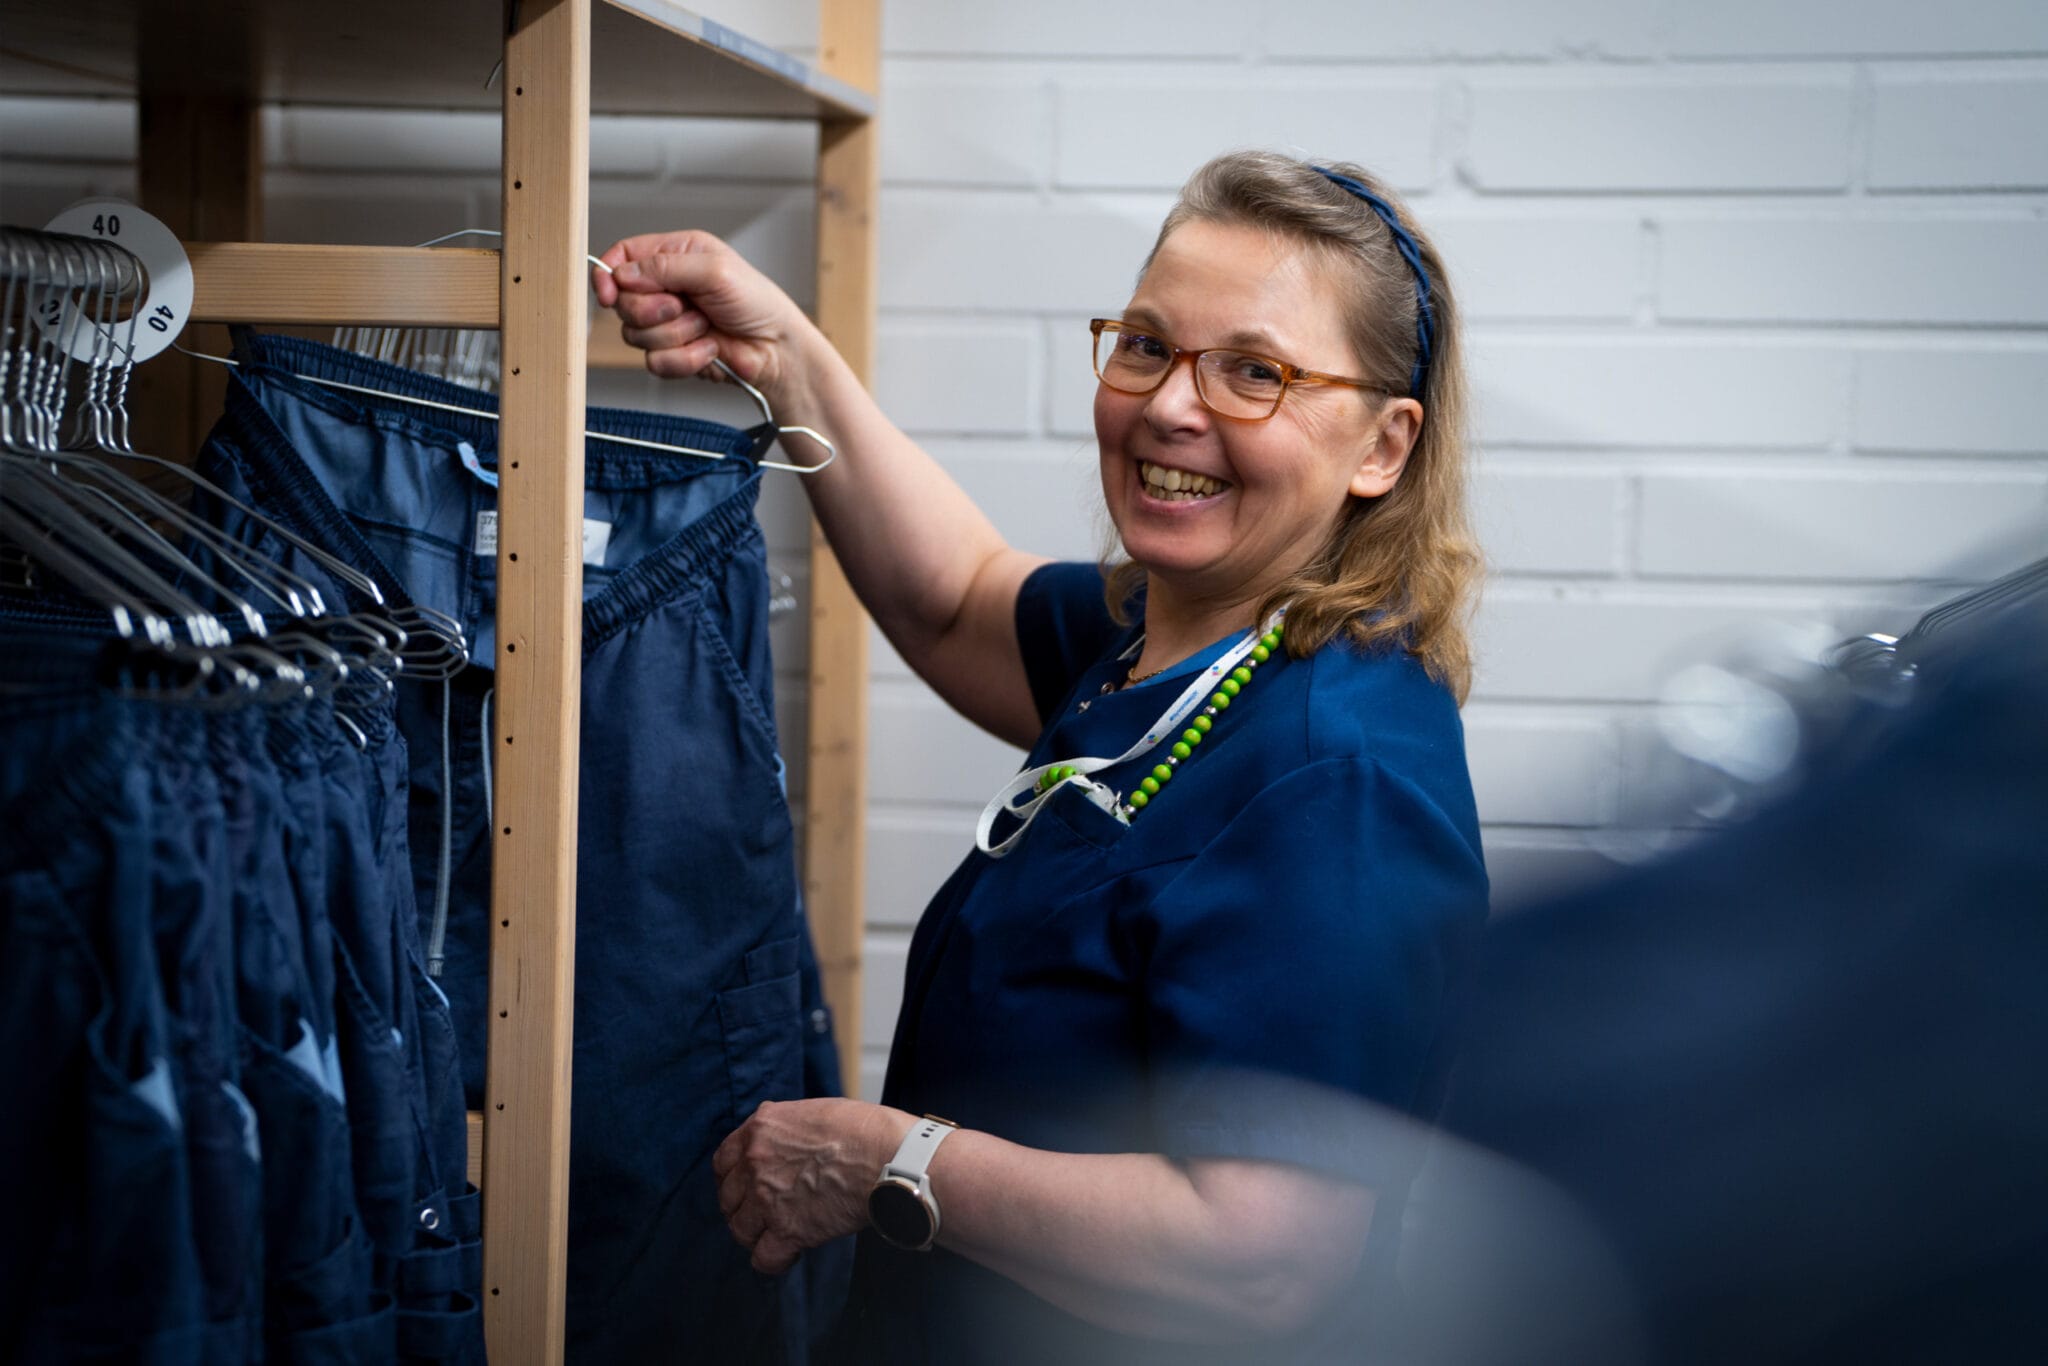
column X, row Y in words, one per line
column 687, row 298
column 935, row 574
column 798, row 1172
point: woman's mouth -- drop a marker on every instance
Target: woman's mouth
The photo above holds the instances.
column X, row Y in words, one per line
column 1177, row 486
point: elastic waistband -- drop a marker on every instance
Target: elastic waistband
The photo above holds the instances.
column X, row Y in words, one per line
column 678, row 566
column 285, row 357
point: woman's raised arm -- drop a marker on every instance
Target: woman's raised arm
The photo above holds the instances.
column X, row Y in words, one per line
column 927, row 564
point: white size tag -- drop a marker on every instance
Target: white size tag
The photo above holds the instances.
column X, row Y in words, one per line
column 157, row 317
column 597, row 538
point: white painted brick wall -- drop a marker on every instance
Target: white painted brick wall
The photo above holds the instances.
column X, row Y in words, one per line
column 959, row 378
column 1458, row 29
column 1546, row 521
column 1927, row 131
column 1852, row 28
column 1592, row 268
column 1014, row 252
column 1542, row 768
column 1643, row 390
column 1593, row 131
column 1967, row 399
column 959, row 128
column 1852, row 525
column 1969, row 272
column 1388, row 124
column 1756, row 291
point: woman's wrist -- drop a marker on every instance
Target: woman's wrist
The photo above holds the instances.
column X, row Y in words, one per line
column 885, row 1132
column 805, row 376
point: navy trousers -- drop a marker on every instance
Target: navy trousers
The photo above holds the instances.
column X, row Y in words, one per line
column 696, row 993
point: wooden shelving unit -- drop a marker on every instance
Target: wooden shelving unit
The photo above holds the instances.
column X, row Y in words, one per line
column 199, row 71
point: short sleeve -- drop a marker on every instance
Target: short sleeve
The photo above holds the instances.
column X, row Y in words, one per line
column 1063, row 627
column 1303, row 963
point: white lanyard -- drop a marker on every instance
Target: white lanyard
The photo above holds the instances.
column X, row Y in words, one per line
column 1026, row 783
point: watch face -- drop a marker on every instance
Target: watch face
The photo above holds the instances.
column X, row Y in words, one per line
column 899, row 1215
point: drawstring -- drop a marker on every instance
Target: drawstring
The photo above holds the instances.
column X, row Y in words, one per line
column 490, row 815
column 437, row 935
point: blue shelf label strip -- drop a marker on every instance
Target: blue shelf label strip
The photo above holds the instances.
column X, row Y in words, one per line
column 760, row 54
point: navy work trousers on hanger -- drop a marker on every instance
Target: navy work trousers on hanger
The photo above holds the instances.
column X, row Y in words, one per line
column 696, row 993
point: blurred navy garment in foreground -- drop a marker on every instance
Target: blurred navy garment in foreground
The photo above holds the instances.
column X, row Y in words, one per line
column 1796, row 1078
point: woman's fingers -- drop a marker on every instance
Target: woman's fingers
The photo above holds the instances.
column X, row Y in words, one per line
column 630, row 250
column 652, row 310
column 685, row 361
column 748, row 1222
column 732, row 1187
column 773, row 1255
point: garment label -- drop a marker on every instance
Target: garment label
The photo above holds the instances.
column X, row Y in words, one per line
column 597, row 536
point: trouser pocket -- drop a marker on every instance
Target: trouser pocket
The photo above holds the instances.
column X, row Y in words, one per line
column 762, row 1028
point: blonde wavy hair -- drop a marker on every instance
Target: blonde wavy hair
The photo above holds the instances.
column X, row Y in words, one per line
column 1404, row 567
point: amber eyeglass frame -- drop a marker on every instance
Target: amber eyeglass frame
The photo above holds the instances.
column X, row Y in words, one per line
column 1290, row 375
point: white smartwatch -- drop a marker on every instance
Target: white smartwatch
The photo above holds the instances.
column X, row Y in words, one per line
column 901, row 1206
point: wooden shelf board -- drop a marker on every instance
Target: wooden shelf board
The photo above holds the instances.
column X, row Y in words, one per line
column 389, row 286
column 654, row 57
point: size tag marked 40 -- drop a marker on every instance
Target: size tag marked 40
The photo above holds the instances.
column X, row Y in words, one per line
column 164, row 309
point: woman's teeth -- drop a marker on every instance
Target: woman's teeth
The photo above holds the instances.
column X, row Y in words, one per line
column 1177, row 486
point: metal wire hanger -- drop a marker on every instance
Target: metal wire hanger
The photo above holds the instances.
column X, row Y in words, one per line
column 760, row 400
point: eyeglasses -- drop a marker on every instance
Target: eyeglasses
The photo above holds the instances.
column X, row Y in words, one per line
column 1235, row 384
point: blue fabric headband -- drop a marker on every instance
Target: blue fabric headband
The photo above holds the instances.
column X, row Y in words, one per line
column 1425, row 318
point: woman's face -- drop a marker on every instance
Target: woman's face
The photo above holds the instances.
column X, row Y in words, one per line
column 1279, row 485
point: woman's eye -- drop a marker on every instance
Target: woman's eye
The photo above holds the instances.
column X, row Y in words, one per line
column 1252, row 370
column 1143, row 345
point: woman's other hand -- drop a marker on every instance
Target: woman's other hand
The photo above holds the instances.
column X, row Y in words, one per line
column 686, row 298
column 798, row 1172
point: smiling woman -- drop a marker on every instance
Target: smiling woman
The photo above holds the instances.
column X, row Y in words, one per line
column 1206, row 939
column 1352, row 284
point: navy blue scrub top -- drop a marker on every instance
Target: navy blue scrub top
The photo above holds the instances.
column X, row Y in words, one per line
column 1292, row 907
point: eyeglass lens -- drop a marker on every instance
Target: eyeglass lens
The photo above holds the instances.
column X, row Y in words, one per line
column 1233, row 383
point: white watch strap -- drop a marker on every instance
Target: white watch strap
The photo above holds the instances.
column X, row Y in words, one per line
column 915, row 1152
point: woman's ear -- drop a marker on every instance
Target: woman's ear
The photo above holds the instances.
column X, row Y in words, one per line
column 1400, row 423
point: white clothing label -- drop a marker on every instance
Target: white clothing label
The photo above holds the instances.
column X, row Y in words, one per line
column 597, row 537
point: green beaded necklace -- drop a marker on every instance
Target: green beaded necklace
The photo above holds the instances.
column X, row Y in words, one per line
column 1183, row 749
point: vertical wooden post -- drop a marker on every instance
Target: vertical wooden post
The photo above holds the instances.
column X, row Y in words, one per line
column 199, row 169
column 540, row 613
column 835, row 808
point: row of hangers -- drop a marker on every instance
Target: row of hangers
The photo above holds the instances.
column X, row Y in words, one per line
column 241, row 626
column 768, row 434
column 208, row 634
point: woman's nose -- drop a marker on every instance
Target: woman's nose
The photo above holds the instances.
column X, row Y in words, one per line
column 1177, row 402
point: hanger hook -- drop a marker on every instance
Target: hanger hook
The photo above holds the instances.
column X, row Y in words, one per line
column 768, row 416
